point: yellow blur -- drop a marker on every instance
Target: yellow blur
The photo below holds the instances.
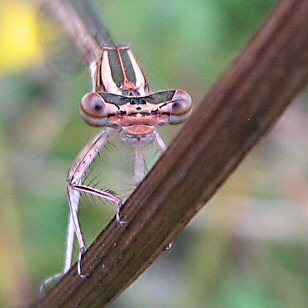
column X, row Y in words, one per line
column 19, row 45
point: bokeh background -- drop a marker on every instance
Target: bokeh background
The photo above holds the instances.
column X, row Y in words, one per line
column 247, row 248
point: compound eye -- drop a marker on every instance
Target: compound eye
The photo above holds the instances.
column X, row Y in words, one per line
column 181, row 103
column 93, row 105
column 179, row 108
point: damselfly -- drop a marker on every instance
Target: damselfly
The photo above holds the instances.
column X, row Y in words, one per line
column 121, row 101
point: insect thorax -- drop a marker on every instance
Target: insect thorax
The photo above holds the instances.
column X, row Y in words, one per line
column 118, row 72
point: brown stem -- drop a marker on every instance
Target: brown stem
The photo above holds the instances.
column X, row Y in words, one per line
column 236, row 113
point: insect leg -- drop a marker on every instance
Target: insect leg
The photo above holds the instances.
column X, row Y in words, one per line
column 162, row 148
column 139, row 165
column 160, row 143
column 74, row 187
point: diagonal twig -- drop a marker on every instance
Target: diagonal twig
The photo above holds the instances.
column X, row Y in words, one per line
column 236, row 113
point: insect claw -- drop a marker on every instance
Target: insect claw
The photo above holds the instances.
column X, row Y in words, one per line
column 168, row 247
column 118, row 217
column 122, row 222
column 79, row 269
column 53, row 279
column 119, row 220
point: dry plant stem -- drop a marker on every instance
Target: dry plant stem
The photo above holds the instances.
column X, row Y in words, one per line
column 241, row 107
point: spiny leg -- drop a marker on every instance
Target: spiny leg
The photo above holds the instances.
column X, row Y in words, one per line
column 103, row 195
column 70, row 233
column 75, row 187
column 78, row 170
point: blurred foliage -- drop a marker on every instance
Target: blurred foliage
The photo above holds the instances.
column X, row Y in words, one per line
column 247, row 248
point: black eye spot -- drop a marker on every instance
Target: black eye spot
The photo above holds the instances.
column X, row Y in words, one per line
column 98, row 106
column 175, row 105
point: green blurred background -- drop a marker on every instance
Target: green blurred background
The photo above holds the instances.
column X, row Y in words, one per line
column 247, row 248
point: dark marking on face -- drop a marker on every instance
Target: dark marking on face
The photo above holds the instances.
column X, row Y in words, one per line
column 137, row 101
